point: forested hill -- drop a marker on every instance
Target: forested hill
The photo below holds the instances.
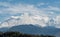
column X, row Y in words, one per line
column 18, row 34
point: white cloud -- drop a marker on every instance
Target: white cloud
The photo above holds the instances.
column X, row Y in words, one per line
column 58, row 19
column 46, row 18
column 51, row 12
column 37, row 17
column 40, row 4
column 52, row 8
column 38, row 14
column 23, row 8
column 19, row 8
column 26, row 19
column 15, row 17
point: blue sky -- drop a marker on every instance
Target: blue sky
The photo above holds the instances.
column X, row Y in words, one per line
column 9, row 8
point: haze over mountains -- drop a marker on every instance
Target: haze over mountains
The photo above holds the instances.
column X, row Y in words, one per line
column 31, row 24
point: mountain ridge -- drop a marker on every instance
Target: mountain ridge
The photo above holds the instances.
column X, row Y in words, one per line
column 35, row 30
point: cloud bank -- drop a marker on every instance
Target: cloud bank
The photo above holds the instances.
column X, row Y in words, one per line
column 36, row 14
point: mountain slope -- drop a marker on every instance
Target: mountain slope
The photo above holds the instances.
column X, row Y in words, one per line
column 4, row 29
column 31, row 29
column 57, row 34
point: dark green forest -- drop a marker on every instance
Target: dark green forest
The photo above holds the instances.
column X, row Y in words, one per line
column 18, row 34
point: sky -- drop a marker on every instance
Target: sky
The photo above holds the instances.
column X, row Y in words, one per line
column 10, row 8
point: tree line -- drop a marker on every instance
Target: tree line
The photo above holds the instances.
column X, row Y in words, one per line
column 18, row 34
